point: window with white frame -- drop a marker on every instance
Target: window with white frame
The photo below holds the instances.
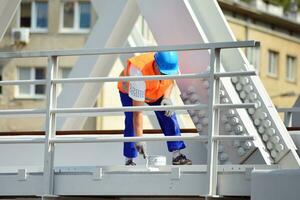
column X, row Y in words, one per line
column 1, row 68
column 31, row 73
column 34, row 15
column 253, row 55
column 75, row 16
column 273, row 63
column 291, row 65
column 63, row 73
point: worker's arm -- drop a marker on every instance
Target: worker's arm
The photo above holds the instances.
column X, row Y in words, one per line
column 138, row 119
column 168, row 92
column 166, row 101
column 138, row 128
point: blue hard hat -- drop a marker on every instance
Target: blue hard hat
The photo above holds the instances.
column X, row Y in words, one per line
column 167, row 62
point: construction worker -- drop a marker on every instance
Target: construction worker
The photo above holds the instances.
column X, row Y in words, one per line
column 154, row 93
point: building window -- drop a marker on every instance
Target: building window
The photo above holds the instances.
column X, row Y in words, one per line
column 290, row 74
column 253, row 55
column 1, row 79
column 34, row 15
column 63, row 73
column 32, row 73
column 75, row 16
column 273, row 63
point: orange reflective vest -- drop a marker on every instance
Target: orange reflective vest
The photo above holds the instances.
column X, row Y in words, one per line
column 154, row 88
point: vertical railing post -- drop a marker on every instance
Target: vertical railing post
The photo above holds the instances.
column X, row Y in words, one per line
column 213, row 128
column 288, row 118
column 50, row 128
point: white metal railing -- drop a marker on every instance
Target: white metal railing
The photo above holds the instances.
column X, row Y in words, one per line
column 97, row 139
column 51, row 110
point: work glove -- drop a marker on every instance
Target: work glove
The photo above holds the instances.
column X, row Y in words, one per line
column 167, row 102
column 141, row 147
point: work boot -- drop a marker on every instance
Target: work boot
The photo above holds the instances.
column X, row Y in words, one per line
column 130, row 163
column 181, row 160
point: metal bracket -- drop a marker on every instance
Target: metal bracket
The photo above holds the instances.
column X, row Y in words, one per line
column 175, row 173
column 98, row 174
column 248, row 173
column 211, row 197
column 49, row 197
column 22, row 174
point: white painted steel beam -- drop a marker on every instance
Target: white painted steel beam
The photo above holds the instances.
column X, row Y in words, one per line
column 216, row 28
column 8, row 9
column 81, row 181
column 115, row 21
column 175, row 22
column 286, row 187
column 204, row 22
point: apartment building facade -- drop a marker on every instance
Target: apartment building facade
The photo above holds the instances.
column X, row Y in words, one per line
column 277, row 59
column 52, row 25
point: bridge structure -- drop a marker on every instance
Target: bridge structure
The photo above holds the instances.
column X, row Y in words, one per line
column 240, row 145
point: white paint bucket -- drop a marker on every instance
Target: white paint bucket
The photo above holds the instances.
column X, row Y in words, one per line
column 156, row 160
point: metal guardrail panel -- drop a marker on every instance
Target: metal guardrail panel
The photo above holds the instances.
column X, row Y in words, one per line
column 49, row 188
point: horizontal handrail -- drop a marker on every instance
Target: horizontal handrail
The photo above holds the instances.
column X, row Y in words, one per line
column 96, row 114
column 128, row 78
column 81, row 52
column 23, row 140
column 37, row 112
column 100, row 139
column 4, row 113
column 129, row 109
column 234, row 106
column 233, row 137
column 19, row 134
column 131, row 78
column 126, row 139
column 24, row 82
column 231, row 74
column 194, row 137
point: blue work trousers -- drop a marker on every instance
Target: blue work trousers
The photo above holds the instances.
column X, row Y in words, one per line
column 169, row 126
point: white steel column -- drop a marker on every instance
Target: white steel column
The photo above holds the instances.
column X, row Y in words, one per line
column 50, row 128
column 115, row 22
column 213, row 127
column 7, row 11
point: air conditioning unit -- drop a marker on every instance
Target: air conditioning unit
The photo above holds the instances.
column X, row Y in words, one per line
column 20, row 35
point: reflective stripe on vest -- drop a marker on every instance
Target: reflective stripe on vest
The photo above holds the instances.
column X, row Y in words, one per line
column 154, row 88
